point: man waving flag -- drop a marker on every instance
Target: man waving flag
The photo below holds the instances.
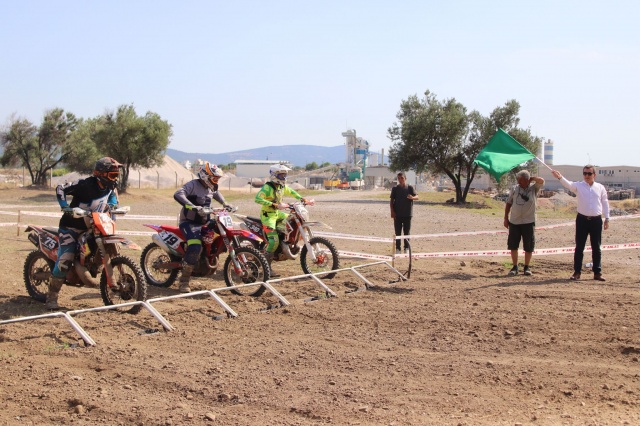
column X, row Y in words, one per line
column 502, row 154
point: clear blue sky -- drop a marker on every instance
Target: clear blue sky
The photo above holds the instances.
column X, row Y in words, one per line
column 237, row 75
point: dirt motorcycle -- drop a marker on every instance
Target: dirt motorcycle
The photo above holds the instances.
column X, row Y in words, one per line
column 161, row 260
column 316, row 254
column 97, row 263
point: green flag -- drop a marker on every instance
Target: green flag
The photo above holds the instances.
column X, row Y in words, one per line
column 502, row 154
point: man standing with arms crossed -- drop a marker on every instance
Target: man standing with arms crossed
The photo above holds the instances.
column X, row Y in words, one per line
column 592, row 204
column 401, row 204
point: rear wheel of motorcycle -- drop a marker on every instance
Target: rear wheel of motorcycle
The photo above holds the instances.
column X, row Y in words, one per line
column 326, row 257
column 153, row 255
column 255, row 269
column 129, row 284
column 37, row 270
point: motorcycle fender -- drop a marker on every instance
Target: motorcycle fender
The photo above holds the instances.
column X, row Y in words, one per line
column 156, row 239
column 125, row 242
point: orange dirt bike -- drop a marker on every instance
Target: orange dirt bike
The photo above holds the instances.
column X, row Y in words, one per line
column 97, row 263
column 316, row 254
column 161, row 260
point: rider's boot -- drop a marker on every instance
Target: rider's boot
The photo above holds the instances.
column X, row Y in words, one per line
column 185, row 278
column 269, row 257
column 55, row 284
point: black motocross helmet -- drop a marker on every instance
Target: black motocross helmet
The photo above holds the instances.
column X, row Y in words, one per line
column 107, row 170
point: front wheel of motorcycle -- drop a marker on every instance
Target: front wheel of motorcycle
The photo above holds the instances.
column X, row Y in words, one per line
column 37, row 270
column 128, row 281
column 157, row 276
column 326, row 257
column 254, row 269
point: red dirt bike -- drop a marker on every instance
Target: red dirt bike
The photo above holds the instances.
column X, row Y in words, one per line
column 316, row 254
column 161, row 260
column 98, row 254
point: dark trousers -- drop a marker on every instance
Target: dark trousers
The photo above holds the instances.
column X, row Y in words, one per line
column 402, row 224
column 592, row 227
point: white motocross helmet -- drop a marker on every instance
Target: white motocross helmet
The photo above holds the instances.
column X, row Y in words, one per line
column 278, row 173
column 210, row 174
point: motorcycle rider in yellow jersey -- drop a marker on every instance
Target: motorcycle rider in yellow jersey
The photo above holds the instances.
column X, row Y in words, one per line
column 270, row 197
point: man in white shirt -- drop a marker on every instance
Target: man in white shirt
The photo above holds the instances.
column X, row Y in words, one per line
column 592, row 204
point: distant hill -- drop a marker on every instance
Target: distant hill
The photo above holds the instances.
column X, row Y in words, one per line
column 298, row 155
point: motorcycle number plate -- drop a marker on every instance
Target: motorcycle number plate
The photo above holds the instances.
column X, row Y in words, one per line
column 49, row 243
column 226, row 221
column 170, row 239
column 254, row 228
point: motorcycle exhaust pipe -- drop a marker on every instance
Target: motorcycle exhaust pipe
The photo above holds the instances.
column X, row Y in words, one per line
column 286, row 251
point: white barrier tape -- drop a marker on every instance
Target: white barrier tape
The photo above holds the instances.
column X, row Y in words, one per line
column 540, row 252
column 353, row 237
column 364, row 255
column 117, row 233
column 498, row 232
column 58, row 215
column 135, row 233
column 151, row 217
column 26, row 206
column 42, row 214
column 454, row 234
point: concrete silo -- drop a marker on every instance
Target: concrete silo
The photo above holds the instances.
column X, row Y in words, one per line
column 548, row 152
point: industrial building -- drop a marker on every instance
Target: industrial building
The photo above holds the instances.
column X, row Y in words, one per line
column 256, row 168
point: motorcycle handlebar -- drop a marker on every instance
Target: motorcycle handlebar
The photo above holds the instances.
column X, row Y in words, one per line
column 79, row 212
column 209, row 210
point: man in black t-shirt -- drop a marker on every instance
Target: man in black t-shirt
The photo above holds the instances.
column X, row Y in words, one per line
column 401, row 203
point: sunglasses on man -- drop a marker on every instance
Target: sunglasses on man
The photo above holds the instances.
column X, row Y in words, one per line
column 587, row 173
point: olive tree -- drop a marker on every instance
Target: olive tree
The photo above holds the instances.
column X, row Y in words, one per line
column 134, row 141
column 441, row 137
column 39, row 148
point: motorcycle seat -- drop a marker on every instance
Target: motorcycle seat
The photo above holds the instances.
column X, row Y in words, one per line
column 254, row 219
column 51, row 230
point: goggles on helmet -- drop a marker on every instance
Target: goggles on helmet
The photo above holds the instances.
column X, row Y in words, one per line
column 112, row 175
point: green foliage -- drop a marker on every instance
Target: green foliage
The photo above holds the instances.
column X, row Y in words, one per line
column 39, row 149
column 325, row 164
column 441, row 137
column 59, row 172
column 83, row 151
column 311, row 166
column 227, row 167
column 134, row 141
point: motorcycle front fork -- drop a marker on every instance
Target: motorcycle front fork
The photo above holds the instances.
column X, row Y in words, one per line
column 307, row 235
column 106, row 261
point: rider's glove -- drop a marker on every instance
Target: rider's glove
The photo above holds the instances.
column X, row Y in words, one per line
column 199, row 210
column 67, row 211
column 228, row 207
column 304, row 200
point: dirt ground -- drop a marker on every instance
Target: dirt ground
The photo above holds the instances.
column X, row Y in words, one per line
column 459, row 343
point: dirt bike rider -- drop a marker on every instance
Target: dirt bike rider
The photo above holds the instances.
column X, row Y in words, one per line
column 193, row 196
column 97, row 194
column 270, row 197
